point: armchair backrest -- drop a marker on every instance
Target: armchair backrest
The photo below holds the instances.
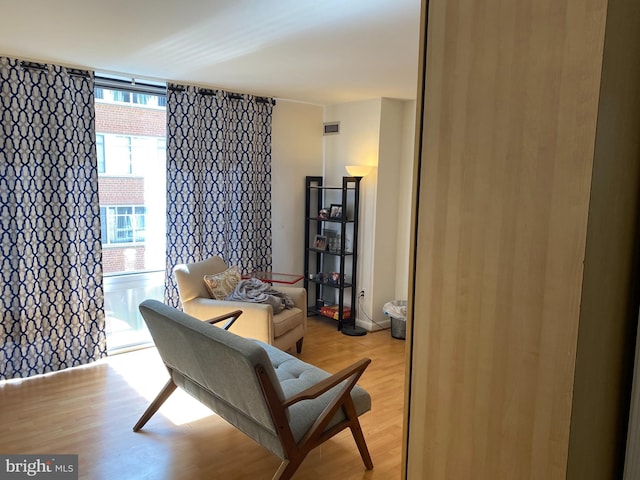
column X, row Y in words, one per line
column 190, row 277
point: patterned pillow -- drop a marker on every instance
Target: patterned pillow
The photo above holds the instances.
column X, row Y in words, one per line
column 222, row 284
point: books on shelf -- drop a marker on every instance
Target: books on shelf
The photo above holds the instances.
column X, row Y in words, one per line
column 331, row 311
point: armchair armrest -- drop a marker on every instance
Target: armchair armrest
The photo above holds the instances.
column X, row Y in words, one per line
column 318, row 432
column 256, row 321
column 297, row 294
column 233, row 316
column 356, row 369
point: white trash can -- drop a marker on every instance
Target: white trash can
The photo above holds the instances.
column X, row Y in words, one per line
column 397, row 311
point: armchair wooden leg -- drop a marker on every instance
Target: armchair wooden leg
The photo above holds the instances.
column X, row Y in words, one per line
column 358, row 436
column 287, row 468
column 299, row 345
column 165, row 393
column 281, row 469
column 362, row 445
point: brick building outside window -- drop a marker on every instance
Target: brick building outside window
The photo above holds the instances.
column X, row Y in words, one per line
column 131, row 156
column 131, row 149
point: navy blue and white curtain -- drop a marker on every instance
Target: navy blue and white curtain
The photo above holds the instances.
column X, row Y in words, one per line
column 51, row 301
column 218, row 180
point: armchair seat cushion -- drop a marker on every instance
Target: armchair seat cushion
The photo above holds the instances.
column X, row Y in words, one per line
column 286, row 321
column 294, row 377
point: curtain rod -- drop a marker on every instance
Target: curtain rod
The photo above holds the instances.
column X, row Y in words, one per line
column 231, row 95
column 44, row 68
column 130, row 86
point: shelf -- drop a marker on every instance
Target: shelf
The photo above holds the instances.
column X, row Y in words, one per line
column 331, row 220
column 318, row 311
column 319, row 187
column 329, row 252
column 343, row 261
column 332, row 285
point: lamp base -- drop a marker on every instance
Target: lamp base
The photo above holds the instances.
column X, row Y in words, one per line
column 353, row 331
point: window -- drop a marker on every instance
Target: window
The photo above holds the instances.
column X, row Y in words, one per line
column 131, row 151
column 108, row 95
column 100, row 151
column 162, row 147
column 120, row 96
column 120, row 160
column 142, row 99
column 125, row 155
column 122, row 224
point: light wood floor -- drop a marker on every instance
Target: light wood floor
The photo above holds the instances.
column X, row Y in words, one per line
column 91, row 410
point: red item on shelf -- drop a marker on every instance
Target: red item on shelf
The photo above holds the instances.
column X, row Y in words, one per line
column 331, row 311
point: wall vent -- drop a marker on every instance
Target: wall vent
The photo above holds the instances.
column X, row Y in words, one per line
column 332, row 128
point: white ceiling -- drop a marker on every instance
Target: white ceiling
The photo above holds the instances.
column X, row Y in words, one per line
column 326, row 52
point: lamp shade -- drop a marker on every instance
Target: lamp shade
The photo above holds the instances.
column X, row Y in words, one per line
column 357, row 170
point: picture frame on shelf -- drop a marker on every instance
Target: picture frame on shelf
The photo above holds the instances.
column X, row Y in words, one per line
column 320, row 242
column 335, row 212
column 333, row 240
column 323, row 214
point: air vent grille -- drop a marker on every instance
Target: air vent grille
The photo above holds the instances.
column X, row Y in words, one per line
column 332, row 128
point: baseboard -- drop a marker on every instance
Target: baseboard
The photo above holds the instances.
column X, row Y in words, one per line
column 371, row 326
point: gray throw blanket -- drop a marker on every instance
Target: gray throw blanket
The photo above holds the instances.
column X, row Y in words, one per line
column 255, row 291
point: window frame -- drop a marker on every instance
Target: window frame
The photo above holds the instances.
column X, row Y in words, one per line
column 138, row 95
column 134, row 221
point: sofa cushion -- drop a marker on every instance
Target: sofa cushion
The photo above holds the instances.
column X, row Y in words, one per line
column 189, row 277
column 295, row 376
column 221, row 284
column 286, row 320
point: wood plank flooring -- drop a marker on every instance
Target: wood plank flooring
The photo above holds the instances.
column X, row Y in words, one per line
column 90, row 411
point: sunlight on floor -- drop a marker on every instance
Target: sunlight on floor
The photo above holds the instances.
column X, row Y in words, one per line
column 144, row 372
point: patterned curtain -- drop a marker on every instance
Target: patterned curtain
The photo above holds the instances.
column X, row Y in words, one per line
column 218, row 180
column 51, row 302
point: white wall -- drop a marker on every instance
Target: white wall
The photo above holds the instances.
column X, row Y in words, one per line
column 356, row 144
column 405, row 184
column 377, row 132
column 386, row 215
column 296, row 151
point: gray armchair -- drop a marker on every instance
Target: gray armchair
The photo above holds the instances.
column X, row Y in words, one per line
column 286, row 405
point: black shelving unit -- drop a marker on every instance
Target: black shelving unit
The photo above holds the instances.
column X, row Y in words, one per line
column 338, row 256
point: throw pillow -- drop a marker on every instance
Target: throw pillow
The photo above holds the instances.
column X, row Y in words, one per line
column 222, row 284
